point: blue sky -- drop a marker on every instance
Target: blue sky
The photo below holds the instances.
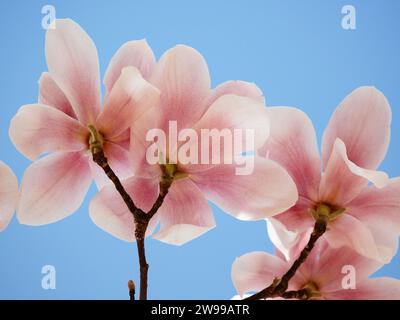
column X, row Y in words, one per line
column 295, row 51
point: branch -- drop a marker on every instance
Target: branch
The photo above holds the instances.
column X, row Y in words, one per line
column 101, row 160
column 141, row 218
column 279, row 286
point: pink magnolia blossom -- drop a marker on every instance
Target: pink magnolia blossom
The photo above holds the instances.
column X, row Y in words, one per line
column 183, row 79
column 331, row 274
column 55, row 185
column 8, row 195
column 362, row 216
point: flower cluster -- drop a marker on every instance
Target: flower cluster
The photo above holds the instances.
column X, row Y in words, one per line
column 347, row 214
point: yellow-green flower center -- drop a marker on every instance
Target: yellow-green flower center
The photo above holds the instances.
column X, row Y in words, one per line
column 325, row 210
column 96, row 140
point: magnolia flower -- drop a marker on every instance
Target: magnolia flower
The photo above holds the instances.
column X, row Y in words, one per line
column 68, row 114
column 326, row 274
column 186, row 98
column 361, row 216
column 8, row 195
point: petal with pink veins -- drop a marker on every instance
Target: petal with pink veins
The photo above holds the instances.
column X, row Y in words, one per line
column 135, row 53
column 255, row 271
column 37, row 129
column 298, row 218
column 53, row 188
column 141, row 144
column 232, row 126
column 183, row 79
column 8, row 195
column 50, row 94
column 343, row 180
column 239, row 88
column 379, row 209
column 184, row 215
column 362, row 122
column 348, row 231
column 110, row 213
column 73, row 64
column 293, row 144
column 130, row 97
column 371, row 289
column 267, row 191
column 329, row 266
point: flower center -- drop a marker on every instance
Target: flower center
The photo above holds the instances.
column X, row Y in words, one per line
column 312, row 290
column 325, row 210
column 171, row 171
column 96, row 140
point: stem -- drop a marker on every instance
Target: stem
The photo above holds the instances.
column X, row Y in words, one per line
column 141, row 218
column 101, row 160
column 279, row 286
column 140, row 233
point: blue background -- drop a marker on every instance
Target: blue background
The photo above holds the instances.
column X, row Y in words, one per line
column 296, row 51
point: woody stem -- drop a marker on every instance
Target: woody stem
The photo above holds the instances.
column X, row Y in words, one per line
column 279, row 286
column 140, row 217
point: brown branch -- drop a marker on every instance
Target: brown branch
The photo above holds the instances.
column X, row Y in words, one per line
column 101, row 160
column 140, row 233
column 279, row 286
column 141, row 218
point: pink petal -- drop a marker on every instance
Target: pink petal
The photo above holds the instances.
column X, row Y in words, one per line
column 240, row 88
column 348, row 231
column 110, row 213
column 298, row 218
column 130, row 97
column 50, row 94
column 230, row 114
column 183, row 79
column 53, row 188
column 8, row 195
column 118, row 159
column 282, row 238
column 268, row 190
column 370, row 289
column 293, row 144
column 184, row 215
column 37, row 129
column 133, row 53
column 289, row 243
column 329, row 266
column 343, row 180
column 73, row 64
column 254, row 271
column 362, row 122
column 379, row 210
column 140, row 145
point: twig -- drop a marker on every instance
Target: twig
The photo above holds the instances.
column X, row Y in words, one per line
column 279, row 286
column 101, row 160
column 131, row 287
column 141, row 218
